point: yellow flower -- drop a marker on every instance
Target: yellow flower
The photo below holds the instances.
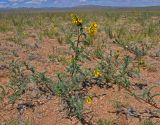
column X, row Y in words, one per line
column 76, row 20
column 97, row 73
column 141, row 61
column 117, row 53
column 89, row 100
column 92, row 30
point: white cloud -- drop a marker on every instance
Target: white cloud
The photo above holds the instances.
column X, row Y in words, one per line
column 69, row 3
column 3, row 5
column 82, row 0
column 15, row 1
column 14, row 4
column 36, row 1
column 2, row 2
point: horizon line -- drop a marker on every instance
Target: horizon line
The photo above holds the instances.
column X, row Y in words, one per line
column 91, row 5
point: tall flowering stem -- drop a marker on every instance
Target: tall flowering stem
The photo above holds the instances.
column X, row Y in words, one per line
column 75, row 45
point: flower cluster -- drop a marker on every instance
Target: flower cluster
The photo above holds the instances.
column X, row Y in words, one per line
column 89, row 100
column 97, row 73
column 117, row 54
column 76, row 20
column 92, row 29
column 141, row 61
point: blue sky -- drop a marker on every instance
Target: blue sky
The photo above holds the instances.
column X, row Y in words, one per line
column 69, row 3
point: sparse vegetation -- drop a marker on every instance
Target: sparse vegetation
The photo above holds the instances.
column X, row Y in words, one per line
column 103, row 56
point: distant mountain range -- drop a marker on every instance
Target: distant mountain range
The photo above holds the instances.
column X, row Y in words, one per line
column 81, row 7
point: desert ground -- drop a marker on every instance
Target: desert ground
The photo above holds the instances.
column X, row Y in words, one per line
column 85, row 67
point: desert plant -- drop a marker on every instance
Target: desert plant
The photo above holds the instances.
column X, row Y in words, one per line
column 22, row 75
column 18, row 80
column 2, row 93
column 70, row 88
column 147, row 122
column 148, row 96
column 15, row 121
column 116, row 71
column 104, row 122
